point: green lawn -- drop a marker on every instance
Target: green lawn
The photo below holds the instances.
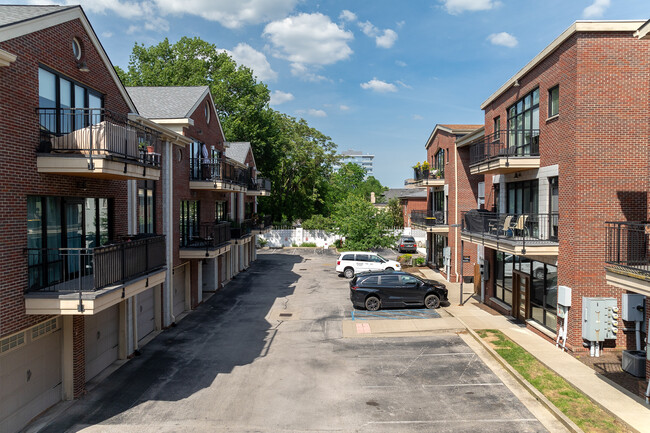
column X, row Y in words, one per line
column 573, row 403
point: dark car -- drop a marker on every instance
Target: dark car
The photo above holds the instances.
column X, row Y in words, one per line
column 407, row 244
column 374, row 290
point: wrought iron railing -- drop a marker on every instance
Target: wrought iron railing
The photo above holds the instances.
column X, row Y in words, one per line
column 505, row 144
column 429, row 218
column 91, row 269
column 517, row 228
column 628, row 246
column 97, row 133
column 434, row 173
column 210, row 236
column 241, row 228
column 217, row 169
column 259, row 184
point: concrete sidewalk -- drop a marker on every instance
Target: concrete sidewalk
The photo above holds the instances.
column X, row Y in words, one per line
column 619, row 402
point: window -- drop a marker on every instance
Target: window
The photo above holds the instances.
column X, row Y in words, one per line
column 348, row 257
column 207, row 112
column 554, row 206
column 76, row 49
column 370, row 281
column 497, row 124
column 189, row 221
column 146, row 206
column 406, row 279
column 523, row 125
column 221, row 212
column 363, row 258
column 439, row 162
column 554, row 101
column 389, row 280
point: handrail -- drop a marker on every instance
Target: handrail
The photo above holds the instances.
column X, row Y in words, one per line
column 217, row 169
column 505, row 144
column 430, row 218
column 627, row 245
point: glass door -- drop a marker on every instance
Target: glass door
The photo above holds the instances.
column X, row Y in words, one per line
column 74, row 235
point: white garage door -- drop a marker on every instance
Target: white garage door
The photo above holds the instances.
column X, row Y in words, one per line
column 179, row 290
column 30, row 380
column 146, row 321
column 102, row 339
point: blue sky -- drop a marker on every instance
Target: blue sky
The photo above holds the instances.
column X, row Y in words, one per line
column 377, row 75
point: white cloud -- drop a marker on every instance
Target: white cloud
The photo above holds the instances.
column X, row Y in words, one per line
column 107, row 34
column 279, row 97
column 343, row 107
column 417, row 117
column 248, row 56
column 596, row 9
column 400, row 63
column 379, row 86
column 229, row 13
column 305, row 73
column 346, row 15
column 313, row 112
column 504, row 39
column 309, row 39
column 406, row 86
column 455, row 7
column 400, row 24
column 383, row 38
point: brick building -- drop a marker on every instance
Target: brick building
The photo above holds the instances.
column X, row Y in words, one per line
column 450, row 188
column 564, row 150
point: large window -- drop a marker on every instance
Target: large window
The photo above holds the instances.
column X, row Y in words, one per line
column 522, row 201
column 554, row 101
column 439, row 162
column 190, row 221
column 221, row 210
column 523, row 125
column 146, row 206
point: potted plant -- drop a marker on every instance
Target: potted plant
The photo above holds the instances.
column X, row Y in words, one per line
column 416, row 171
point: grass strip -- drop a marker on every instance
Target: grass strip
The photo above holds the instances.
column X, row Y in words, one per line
column 573, row 403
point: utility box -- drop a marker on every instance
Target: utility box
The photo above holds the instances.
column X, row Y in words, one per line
column 633, row 362
column 599, row 319
column 564, row 296
column 632, row 307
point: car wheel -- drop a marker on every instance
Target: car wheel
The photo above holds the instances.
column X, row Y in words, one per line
column 373, row 303
column 348, row 272
column 432, row 301
column 389, row 269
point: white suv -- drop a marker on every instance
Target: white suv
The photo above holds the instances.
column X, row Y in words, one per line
column 354, row 262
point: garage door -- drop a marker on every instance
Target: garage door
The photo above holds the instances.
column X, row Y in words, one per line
column 179, row 289
column 30, row 379
column 146, row 321
column 102, row 339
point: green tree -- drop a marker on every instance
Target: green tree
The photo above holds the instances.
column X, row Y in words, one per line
column 362, row 224
column 319, row 222
column 350, row 179
column 394, row 209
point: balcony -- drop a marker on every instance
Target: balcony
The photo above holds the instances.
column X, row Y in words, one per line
column 240, row 230
column 627, row 256
column 259, row 187
column 261, row 225
column 505, row 152
column 217, row 174
column 89, row 280
column 519, row 234
column 96, row 143
column 213, row 240
column 435, row 177
column 431, row 221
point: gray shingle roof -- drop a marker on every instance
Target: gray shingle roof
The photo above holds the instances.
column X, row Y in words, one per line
column 11, row 14
column 172, row 102
column 238, row 151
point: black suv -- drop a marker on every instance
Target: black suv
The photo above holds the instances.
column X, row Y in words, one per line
column 373, row 290
column 407, row 244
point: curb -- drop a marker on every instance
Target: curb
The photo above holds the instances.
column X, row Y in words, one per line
column 570, row 425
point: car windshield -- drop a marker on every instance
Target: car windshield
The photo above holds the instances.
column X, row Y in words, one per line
column 383, row 259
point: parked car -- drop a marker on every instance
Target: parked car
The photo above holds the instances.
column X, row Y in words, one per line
column 407, row 244
column 374, row 290
column 354, row 262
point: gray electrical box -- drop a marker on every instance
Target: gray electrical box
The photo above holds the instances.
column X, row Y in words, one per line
column 599, row 319
column 632, row 307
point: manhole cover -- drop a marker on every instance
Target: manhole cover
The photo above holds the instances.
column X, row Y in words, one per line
column 286, row 314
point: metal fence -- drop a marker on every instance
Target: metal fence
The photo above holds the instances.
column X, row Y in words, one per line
column 217, row 169
column 627, row 245
column 505, row 144
column 524, row 228
column 91, row 269
column 259, row 184
column 429, row 218
column 241, row 229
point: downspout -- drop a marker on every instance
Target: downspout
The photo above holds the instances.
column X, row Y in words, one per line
column 456, row 211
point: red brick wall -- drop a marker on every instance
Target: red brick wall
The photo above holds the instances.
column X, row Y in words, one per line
column 19, row 135
column 411, row 204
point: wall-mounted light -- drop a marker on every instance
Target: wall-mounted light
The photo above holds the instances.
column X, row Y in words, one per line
column 516, row 84
column 82, row 66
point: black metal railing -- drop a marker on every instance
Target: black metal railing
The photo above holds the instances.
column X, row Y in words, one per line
column 434, row 173
column 627, row 246
column 262, row 222
column 241, row 228
column 210, row 236
column 91, row 269
column 217, row 169
column 517, row 228
column 505, row 144
column 429, row 218
column 259, row 184
column 97, row 133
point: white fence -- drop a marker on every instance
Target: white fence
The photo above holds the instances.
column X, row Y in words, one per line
column 289, row 237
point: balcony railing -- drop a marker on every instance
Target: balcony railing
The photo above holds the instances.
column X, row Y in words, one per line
column 97, row 133
column 435, row 173
column 628, row 247
column 241, row 229
column 524, row 229
column 261, row 223
column 259, row 184
column 429, row 218
column 211, row 236
column 217, row 170
column 505, row 144
column 90, row 269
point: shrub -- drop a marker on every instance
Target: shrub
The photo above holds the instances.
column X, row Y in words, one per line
column 405, row 259
column 308, row 244
column 293, row 244
column 420, row 261
column 338, row 243
column 262, row 242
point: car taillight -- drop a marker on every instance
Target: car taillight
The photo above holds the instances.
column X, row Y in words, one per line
column 338, row 262
column 401, row 245
column 354, row 287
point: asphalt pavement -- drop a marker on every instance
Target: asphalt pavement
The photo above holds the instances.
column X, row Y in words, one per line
column 267, row 354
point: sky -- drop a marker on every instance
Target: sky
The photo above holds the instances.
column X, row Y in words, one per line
column 374, row 75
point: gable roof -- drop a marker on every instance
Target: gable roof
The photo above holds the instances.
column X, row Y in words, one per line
column 172, row 102
column 16, row 21
column 238, row 151
column 458, row 129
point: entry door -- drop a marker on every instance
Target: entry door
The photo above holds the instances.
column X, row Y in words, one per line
column 520, row 295
column 74, row 232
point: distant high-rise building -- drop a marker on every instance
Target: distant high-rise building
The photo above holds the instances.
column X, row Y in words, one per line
column 357, row 157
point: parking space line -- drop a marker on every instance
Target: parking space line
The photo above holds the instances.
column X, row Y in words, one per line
column 447, row 421
column 420, row 356
column 450, row 385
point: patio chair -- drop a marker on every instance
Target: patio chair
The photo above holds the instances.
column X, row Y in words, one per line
column 502, row 225
column 520, row 225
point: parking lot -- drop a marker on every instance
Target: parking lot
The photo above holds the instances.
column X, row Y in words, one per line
column 267, row 353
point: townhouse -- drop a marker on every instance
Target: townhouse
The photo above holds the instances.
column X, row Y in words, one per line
column 111, row 224
column 563, row 152
column 450, row 188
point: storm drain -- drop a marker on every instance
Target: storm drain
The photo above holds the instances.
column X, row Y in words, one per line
column 286, row 314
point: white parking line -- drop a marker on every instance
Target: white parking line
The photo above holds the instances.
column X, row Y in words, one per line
column 451, row 385
column 415, row 355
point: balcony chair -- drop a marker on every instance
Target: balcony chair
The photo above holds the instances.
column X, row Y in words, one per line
column 520, row 225
column 501, row 226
